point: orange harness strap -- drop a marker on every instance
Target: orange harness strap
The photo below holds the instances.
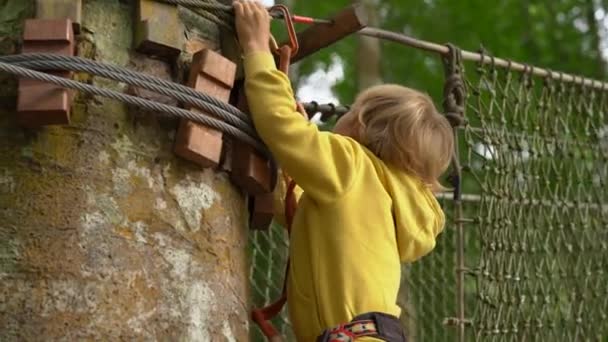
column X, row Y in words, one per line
column 263, row 316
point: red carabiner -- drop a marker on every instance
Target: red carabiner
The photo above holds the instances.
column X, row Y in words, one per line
column 291, row 30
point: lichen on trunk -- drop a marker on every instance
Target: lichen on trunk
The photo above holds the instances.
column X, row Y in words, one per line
column 104, row 233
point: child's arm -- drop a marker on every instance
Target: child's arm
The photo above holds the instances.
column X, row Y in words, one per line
column 320, row 162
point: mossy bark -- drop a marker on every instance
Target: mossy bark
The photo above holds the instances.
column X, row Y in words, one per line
column 104, row 233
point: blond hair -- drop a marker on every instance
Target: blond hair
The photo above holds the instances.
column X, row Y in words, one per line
column 403, row 128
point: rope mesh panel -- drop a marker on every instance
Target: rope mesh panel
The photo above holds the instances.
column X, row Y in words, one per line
column 535, row 169
column 268, row 252
column 428, row 294
column 535, row 165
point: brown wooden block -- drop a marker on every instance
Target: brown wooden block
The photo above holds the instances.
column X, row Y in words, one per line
column 249, row 170
column 217, row 67
column 158, row 29
column 61, row 9
column 56, row 30
column 199, row 144
column 319, row 36
column 261, row 208
column 212, row 74
column 41, row 103
column 48, row 35
column 48, row 47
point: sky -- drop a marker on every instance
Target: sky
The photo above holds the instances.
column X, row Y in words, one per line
column 317, row 86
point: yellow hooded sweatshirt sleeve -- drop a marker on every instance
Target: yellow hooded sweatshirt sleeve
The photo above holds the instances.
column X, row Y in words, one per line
column 357, row 218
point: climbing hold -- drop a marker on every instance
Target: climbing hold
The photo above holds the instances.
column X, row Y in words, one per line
column 254, row 174
column 261, row 208
column 40, row 103
column 213, row 74
column 249, row 170
column 158, row 29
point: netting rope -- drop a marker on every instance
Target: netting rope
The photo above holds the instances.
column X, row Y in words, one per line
column 536, row 161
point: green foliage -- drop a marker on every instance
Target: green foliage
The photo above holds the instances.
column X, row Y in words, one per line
column 543, row 33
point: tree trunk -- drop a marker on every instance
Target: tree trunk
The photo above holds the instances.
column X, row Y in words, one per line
column 104, row 233
column 553, row 26
column 368, row 51
column 596, row 41
column 527, row 38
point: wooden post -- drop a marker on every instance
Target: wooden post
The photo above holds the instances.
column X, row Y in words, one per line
column 214, row 75
column 61, row 9
column 158, row 29
column 40, row 103
column 318, row 36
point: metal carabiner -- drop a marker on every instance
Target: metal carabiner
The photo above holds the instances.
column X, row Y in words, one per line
column 281, row 11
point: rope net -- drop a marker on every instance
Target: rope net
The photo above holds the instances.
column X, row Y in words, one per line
column 534, row 159
column 428, row 289
column 268, row 252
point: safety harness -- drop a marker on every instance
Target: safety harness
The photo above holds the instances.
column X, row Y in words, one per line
column 373, row 324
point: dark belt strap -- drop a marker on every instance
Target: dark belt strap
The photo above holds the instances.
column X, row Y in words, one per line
column 374, row 324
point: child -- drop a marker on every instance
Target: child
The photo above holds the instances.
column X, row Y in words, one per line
column 367, row 201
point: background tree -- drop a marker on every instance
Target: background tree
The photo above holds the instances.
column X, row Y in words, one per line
column 369, row 54
column 559, row 35
column 104, row 233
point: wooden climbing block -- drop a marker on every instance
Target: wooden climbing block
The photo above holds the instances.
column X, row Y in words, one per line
column 40, row 103
column 212, row 74
column 261, row 210
column 253, row 174
column 48, row 35
column 318, row 36
column 158, row 29
column 60, row 9
column 249, row 170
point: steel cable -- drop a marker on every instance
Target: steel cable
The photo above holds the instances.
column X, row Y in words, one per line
column 189, row 100
column 137, row 75
column 139, row 102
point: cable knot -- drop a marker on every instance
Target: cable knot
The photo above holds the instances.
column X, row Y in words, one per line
column 454, row 89
column 314, row 107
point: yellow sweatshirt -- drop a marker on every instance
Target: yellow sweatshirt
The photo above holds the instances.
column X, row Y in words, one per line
column 357, row 218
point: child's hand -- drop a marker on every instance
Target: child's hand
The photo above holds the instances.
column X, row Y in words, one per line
column 252, row 25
